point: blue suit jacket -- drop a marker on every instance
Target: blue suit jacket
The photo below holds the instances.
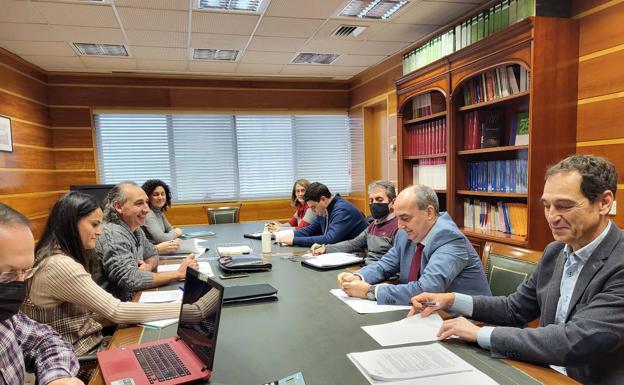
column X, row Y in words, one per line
column 343, row 222
column 449, row 264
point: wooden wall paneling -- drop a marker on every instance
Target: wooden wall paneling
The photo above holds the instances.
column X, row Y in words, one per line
column 32, row 204
column 374, row 87
column 37, row 225
column 19, row 181
column 23, row 109
column 579, row 6
column 613, row 152
column 26, row 157
column 600, row 120
column 602, row 30
column 17, row 83
column 601, row 75
column 86, row 95
column 67, row 160
column 13, row 61
column 184, row 215
column 72, row 138
column 390, row 65
column 70, row 117
column 66, row 178
column 30, row 134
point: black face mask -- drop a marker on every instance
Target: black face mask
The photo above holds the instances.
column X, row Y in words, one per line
column 379, row 210
column 12, row 295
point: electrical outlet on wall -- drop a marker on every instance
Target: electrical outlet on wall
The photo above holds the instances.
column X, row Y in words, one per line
column 613, row 208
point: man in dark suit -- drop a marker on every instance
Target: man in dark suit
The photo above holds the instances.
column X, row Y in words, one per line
column 577, row 289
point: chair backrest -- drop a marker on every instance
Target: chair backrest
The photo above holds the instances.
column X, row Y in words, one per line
column 225, row 214
column 508, row 266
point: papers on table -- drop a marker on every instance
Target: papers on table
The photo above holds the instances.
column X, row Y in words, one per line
column 430, row 364
column 161, row 296
column 333, row 260
column 204, row 267
column 406, row 331
column 364, row 306
column 234, row 250
column 159, row 323
column 187, row 246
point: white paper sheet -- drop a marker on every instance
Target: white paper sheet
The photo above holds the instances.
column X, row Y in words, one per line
column 406, row 331
column 473, row 377
column 160, row 323
column 333, row 259
column 365, row 306
column 204, row 267
column 161, row 296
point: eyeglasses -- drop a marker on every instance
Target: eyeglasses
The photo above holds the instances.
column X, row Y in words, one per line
column 14, row 275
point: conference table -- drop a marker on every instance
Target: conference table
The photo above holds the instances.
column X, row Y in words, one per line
column 307, row 329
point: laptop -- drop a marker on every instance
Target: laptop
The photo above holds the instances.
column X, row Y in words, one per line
column 178, row 360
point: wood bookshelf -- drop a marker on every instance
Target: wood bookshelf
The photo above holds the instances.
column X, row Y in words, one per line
column 548, row 49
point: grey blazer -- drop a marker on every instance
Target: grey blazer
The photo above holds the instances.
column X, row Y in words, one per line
column 590, row 344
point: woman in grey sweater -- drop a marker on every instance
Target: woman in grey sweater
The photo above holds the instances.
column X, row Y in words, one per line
column 157, row 228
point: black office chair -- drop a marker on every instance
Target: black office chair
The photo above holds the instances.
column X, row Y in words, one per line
column 225, row 214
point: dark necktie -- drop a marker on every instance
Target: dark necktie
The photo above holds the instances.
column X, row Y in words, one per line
column 415, row 266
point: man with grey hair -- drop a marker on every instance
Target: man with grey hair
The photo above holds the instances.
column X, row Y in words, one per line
column 128, row 258
column 378, row 237
column 429, row 254
column 577, row 289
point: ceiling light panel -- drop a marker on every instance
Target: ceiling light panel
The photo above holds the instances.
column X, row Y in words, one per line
column 230, row 5
column 215, row 54
column 91, row 49
column 372, row 9
column 315, row 58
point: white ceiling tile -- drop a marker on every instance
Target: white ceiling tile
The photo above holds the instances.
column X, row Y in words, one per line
column 175, row 5
column 162, row 65
column 287, row 27
column 157, row 38
column 78, row 14
column 276, row 44
column 39, row 48
column 403, row 32
column 153, row 19
column 433, row 13
column 302, row 69
column 216, row 22
column 112, row 64
column 90, row 35
column 306, row 8
column 342, row 77
column 341, row 71
column 259, row 57
column 353, row 47
column 20, row 12
column 159, row 53
column 210, row 40
column 259, row 69
column 55, row 62
column 212, row 66
column 358, row 60
column 33, row 32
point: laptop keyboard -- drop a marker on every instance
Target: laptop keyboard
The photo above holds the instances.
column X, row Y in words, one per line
column 160, row 363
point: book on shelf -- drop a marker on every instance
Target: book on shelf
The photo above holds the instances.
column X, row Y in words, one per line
column 427, row 138
column 504, row 217
column 504, row 176
column 491, row 128
column 498, row 83
column 520, row 124
column 430, row 172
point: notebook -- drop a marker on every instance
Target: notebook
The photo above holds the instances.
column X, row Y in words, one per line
column 244, row 293
column 197, row 234
column 179, row 360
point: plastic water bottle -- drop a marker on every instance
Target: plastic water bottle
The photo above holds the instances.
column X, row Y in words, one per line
column 266, row 241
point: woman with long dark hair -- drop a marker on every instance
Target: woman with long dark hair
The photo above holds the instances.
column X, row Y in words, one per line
column 157, row 228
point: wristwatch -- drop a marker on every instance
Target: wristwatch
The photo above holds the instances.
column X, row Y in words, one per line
column 370, row 293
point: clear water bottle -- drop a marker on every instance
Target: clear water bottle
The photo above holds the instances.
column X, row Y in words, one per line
column 266, row 241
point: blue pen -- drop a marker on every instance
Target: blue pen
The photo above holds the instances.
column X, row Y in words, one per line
column 181, row 288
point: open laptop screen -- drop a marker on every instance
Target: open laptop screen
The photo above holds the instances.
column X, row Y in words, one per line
column 200, row 332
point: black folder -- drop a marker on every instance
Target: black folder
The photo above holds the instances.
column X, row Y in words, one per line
column 244, row 293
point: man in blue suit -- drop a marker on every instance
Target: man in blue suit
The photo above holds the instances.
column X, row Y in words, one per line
column 430, row 254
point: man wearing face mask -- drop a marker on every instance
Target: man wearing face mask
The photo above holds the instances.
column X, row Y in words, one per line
column 25, row 343
column 378, row 237
column 429, row 254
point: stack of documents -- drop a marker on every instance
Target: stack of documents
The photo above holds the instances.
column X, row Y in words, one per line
column 204, row 267
column 365, row 306
column 161, row 296
column 333, row 260
column 234, row 250
column 187, row 246
column 406, row 331
column 429, row 364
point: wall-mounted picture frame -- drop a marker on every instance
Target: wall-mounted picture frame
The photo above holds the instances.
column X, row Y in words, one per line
column 6, row 137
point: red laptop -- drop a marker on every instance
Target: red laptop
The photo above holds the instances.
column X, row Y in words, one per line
column 185, row 358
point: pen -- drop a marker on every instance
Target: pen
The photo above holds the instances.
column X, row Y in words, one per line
column 181, row 288
column 430, row 304
column 318, row 247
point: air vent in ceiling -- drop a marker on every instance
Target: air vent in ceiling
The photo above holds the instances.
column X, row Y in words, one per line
column 349, row 30
column 230, row 5
column 215, row 54
column 93, row 49
column 372, row 9
column 315, row 58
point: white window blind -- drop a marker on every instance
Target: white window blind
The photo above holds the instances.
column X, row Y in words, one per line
column 217, row 157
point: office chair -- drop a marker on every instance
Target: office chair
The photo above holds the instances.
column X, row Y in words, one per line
column 225, row 214
column 508, row 266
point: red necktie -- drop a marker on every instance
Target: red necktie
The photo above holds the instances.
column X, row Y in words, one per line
column 414, row 271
